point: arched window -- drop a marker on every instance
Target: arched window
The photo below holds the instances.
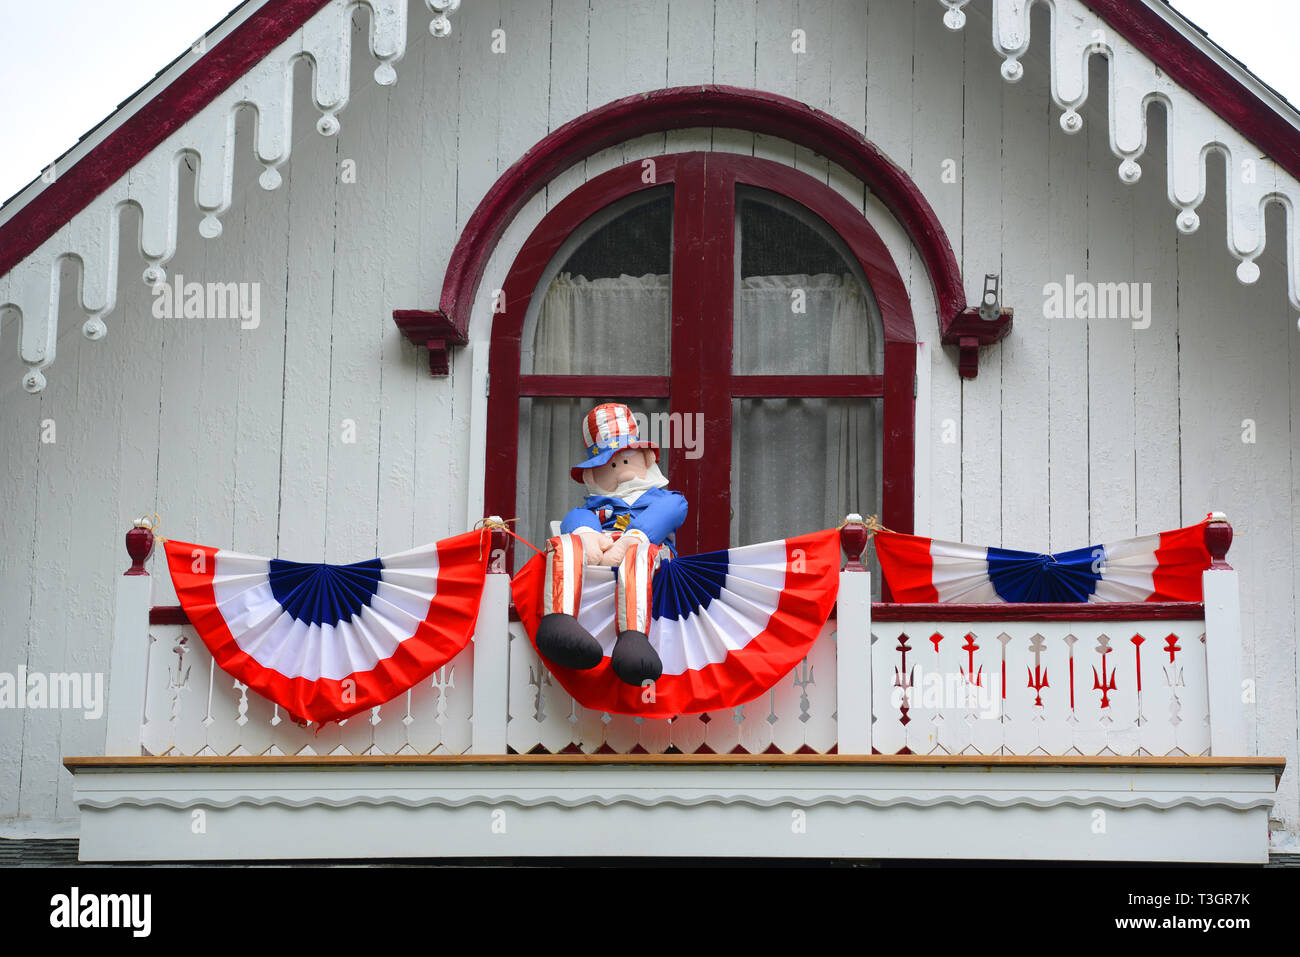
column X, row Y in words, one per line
column 749, row 312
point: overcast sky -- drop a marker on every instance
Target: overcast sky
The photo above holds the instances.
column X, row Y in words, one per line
column 66, row 64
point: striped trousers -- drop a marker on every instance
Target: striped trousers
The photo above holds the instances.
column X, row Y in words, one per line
column 632, row 593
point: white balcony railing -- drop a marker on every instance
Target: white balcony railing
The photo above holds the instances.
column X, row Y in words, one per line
column 1089, row 679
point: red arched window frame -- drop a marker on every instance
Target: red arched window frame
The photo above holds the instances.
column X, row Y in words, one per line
column 701, row 377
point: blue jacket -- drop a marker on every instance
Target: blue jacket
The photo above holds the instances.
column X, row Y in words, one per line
column 656, row 513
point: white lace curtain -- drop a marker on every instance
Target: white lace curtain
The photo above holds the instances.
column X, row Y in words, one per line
column 797, row 464
column 584, row 327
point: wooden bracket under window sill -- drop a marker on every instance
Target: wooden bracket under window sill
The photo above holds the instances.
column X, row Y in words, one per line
column 435, row 332
column 969, row 333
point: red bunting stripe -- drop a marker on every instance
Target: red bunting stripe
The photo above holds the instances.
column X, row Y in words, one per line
column 446, row 629
column 811, row 585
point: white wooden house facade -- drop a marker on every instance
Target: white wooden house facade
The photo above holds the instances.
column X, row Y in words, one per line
column 402, row 157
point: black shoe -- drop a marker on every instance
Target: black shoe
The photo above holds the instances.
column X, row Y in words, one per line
column 634, row 660
column 564, row 642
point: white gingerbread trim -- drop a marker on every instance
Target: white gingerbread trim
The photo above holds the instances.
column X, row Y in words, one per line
column 1194, row 129
column 92, row 236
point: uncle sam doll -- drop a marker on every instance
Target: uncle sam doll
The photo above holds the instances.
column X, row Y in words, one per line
column 626, row 522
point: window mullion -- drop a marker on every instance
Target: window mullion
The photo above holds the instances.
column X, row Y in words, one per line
column 703, row 253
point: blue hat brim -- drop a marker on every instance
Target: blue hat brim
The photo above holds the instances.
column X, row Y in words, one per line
column 604, row 455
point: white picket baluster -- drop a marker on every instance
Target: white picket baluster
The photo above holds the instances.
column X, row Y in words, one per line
column 889, row 733
column 821, row 730
column 155, row 731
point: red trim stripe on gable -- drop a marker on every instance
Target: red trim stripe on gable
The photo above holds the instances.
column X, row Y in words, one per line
column 131, row 142
column 1196, row 72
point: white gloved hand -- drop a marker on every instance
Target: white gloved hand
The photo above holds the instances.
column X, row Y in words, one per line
column 613, row 555
column 594, row 544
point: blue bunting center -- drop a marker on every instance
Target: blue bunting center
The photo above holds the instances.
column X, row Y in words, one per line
column 686, row 585
column 1029, row 577
column 320, row 594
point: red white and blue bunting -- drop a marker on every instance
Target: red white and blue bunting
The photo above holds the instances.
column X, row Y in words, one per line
column 329, row 641
column 728, row 624
column 1162, row 567
column 326, row 642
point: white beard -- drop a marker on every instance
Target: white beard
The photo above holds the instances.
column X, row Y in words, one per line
column 632, row 489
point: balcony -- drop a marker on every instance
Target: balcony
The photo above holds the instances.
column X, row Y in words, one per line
column 1049, row 732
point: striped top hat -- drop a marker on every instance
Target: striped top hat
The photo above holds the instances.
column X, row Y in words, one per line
column 606, row 430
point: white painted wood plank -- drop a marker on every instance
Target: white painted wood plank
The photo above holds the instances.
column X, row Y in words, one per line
column 476, row 465
column 1026, row 124
column 568, row 83
column 49, row 637
column 1288, row 805
column 477, row 162
column 94, row 451
column 1156, row 439
column 1067, row 388
column 775, row 65
column 813, row 70
column 690, row 43
column 34, row 734
column 311, row 183
column 355, row 369
column 439, row 74
column 211, row 471
column 646, row 46
column 735, row 47
column 522, row 117
column 142, row 337
column 936, row 166
column 259, row 229
column 568, row 66
column 403, row 171
column 20, row 431
column 890, row 79
column 627, row 54
column 184, row 420
column 1111, row 413
column 982, row 252
column 442, row 213
column 1289, row 656
column 703, row 138
column 606, row 51
column 847, row 41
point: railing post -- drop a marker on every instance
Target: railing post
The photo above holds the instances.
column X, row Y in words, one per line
column 1223, row 643
column 129, row 661
column 853, row 643
column 492, row 655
